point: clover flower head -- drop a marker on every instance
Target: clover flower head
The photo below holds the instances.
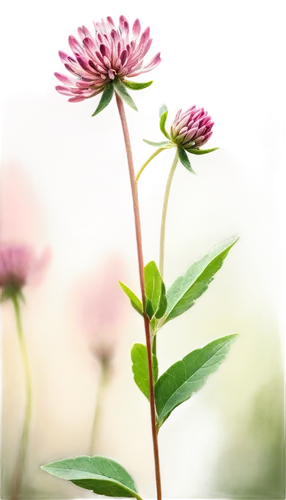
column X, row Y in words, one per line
column 18, row 266
column 192, row 128
column 108, row 56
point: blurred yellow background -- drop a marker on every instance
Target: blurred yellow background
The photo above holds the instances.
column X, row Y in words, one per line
column 65, row 185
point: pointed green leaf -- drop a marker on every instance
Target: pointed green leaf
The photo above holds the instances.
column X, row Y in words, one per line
column 140, row 368
column 136, row 303
column 162, row 304
column 185, row 160
column 163, row 114
column 99, row 474
column 123, row 94
column 105, row 98
column 163, row 144
column 187, row 288
column 155, row 291
column 195, row 151
column 189, row 375
column 136, row 85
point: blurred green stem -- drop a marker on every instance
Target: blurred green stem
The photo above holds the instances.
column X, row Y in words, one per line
column 20, row 464
column 104, row 376
column 164, row 214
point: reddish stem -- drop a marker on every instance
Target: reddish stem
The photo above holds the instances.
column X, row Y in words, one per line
column 135, row 199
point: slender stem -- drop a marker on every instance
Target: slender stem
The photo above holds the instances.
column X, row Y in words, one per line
column 164, row 214
column 148, row 161
column 104, row 374
column 135, row 199
column 20, row 464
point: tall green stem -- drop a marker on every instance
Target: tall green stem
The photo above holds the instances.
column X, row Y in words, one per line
column 104, row 373
column 20, row 464
column 164, row 214
column 135, row 199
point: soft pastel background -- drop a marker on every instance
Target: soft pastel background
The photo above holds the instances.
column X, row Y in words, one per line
column 65, row 185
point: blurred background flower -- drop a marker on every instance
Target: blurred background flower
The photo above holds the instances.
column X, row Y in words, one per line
column 102, row 318
column 103, row 308
column 20, row 266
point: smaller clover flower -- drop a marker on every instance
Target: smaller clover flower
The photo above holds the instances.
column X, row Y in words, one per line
column 189, row 131
column 19, row 266
column 102, row 62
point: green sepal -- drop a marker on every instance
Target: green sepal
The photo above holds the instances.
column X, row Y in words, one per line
column 106, row 97
column 185, row 160
column 11, row 293
column 136, row 85
column 163, row 114
column 123, row 94
column 164, row 144
column 135, row 301
column 196, row 151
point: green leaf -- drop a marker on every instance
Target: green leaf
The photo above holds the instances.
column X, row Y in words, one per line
column 187, row 288
column 189, row 375
column 163, row 114
column 164, row 144
column 163, row 303
column 140, row 368
column 99, row 474
column 105, row 98
column 195, row 151
column 135, row 302
column 185, row 160
column 155, row 291
column 122, row 92
column 136, row 85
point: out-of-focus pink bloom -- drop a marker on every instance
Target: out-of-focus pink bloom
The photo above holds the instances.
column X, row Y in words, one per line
column 102, row 309
column 191, row 129
column 19, row 265
column 101, row 58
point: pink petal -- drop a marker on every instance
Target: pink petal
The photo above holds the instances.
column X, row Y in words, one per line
column 63, row 90
column 123, row 57
column 136, row 28
column 191, row 134
column 110, row 20
column 153, row 64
